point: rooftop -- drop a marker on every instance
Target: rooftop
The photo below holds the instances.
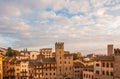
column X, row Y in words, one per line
column 105, row 58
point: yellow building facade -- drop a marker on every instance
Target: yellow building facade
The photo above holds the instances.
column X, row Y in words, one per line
column 1, row 70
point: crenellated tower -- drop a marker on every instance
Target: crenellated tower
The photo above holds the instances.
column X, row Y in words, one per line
column 59, row 49
column 64, row 62
column 117, row 63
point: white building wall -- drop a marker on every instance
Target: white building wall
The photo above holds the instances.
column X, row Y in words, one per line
column 33, row 54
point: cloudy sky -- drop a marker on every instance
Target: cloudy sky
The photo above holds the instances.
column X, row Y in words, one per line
column 83, row 25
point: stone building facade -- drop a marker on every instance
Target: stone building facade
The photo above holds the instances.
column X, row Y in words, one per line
column 24, row 69
column 64, row 62
column 88, row 72
column 6, row 67
column 17, row 69
column 40, row 67
column 117, row 63
column 103, row 67
column 78, row 69
column 47, row 52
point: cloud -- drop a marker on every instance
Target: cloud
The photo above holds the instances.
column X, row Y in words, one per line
column 79, row 23
column 78, row 6
column 13, row 27
column 97, row 5
column 46, row 14
column 82, row 20
column 10, row 11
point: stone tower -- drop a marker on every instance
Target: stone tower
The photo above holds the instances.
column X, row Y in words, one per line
column 117, row 67
column 59, row 49
column 110, row 50
column 117, row 63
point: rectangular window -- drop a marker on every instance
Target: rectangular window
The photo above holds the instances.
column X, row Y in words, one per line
column 111, row 73
column 92, row 76
column 66, row 68
column 111, row 64
column 103, row 72
column 107, row 64
column 103, row 64
column 107, row 73
column 65, row 62
column 84, row 75
column 97, row 72
column 97, row 65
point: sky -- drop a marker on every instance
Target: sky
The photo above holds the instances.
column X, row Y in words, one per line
column 86, row 26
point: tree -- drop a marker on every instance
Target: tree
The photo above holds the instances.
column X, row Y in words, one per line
column 11, row 52
column 75, row 56
column 15, row 52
